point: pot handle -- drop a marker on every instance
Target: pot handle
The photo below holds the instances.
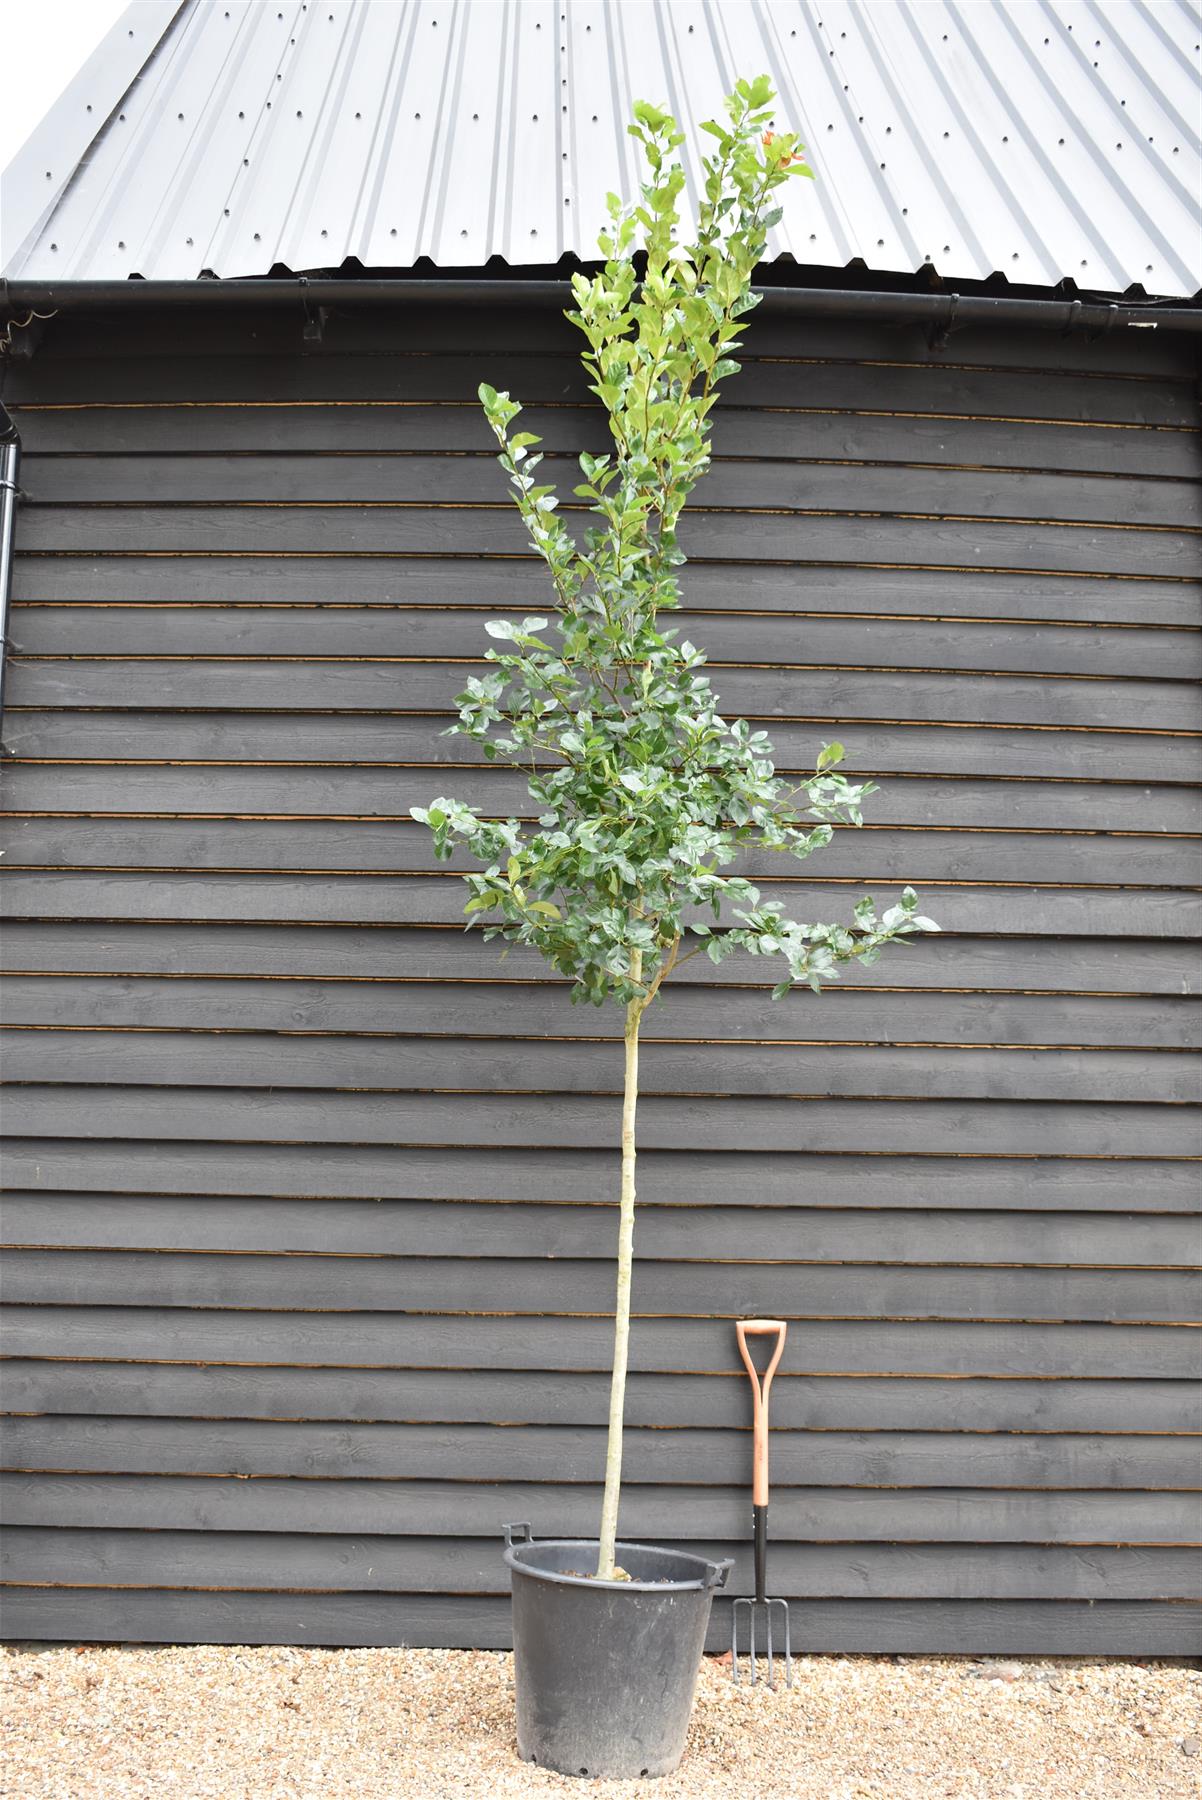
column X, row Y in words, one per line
column 518, row 1532
column 718, row 1572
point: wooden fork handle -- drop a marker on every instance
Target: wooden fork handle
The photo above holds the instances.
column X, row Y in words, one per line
column 760, row 1385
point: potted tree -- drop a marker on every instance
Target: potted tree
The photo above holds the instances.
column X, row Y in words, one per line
column 644, row 796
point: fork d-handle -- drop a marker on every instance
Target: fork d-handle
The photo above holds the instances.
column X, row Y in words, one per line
column 760, row 1385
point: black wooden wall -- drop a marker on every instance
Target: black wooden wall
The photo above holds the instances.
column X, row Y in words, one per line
column 311, row 1195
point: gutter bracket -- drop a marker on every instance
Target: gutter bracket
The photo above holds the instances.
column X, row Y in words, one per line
column 21, row 337
column 313, row 329
column 1103, row 330
column 941, row 331
column 1070, row 318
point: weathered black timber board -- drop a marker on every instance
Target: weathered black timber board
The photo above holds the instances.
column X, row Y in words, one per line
column 541, row 327
column 318, row 961
column 1037, row 718
column 416, row 1228
column 500, row 1453
column 475, row 479
column 827, row 1346
column 413, row 1065
column 768, row 693
column 559, row 380
column 1024, row 1182
column 333, row 742
column 463, row 1565
column 497, row 583
column 839, row 434
column 1033, row 1128
column 738, row 539
column 542, row 1397
column 905, row 1515
column 1105, row 911
column 404, row 851
column 388, row 793
column 493, row 1008
column 575, row 1287
column 742, row 639
column 999, row 1627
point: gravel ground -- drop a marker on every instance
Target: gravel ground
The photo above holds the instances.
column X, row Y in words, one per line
column 284, row 1724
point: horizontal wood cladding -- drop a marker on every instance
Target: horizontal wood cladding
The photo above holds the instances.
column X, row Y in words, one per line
column 669, row 1122
column 439, row 329
column 1003, row 1627
column 349, row 1340
column 841, row 435
column 390, row 1564
column 364, row 794
column 291, row 1503
column 413, row 1065
column 889, row 1459
column 484, row 1396
column 1019, row 1180
column 556, row 378
column 414, row 1228
column 427, row 634
column 312, row 957
column 335, row 741
column 359, row 797
column 690, row 1012
column 787, row 693
column 309, row 1226
column 575, row 1286
column 1059, row 910
column 403, row 850
column 805, row 487
column 944, row 541
column 500, row 583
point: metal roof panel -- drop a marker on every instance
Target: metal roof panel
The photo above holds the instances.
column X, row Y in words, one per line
column 1039, row 139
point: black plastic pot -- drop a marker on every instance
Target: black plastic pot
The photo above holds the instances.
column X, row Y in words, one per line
column 606, row 1670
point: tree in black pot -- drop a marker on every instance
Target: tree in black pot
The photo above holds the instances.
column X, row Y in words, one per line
column 644, row 795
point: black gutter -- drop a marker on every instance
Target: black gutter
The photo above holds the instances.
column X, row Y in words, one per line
column 10, row 469
column 939, row 312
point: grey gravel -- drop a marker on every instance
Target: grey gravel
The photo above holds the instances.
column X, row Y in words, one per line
column 208, row 1723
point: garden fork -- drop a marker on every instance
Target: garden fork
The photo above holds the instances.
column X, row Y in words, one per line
column 759, row 1496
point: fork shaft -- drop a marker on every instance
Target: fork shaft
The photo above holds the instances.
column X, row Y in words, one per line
column 760, row 1520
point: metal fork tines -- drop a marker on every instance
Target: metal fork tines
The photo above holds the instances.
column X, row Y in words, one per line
column 770, row 1649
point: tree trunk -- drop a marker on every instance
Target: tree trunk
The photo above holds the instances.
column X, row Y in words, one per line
column 617, row 1391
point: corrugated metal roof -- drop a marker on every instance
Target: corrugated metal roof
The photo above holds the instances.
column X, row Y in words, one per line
column 1042, row 139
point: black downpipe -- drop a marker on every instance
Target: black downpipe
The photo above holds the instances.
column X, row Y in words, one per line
column 938, row 312
column 10, row 469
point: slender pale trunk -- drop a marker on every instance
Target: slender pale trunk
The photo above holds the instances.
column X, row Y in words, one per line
column 617, row 1391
